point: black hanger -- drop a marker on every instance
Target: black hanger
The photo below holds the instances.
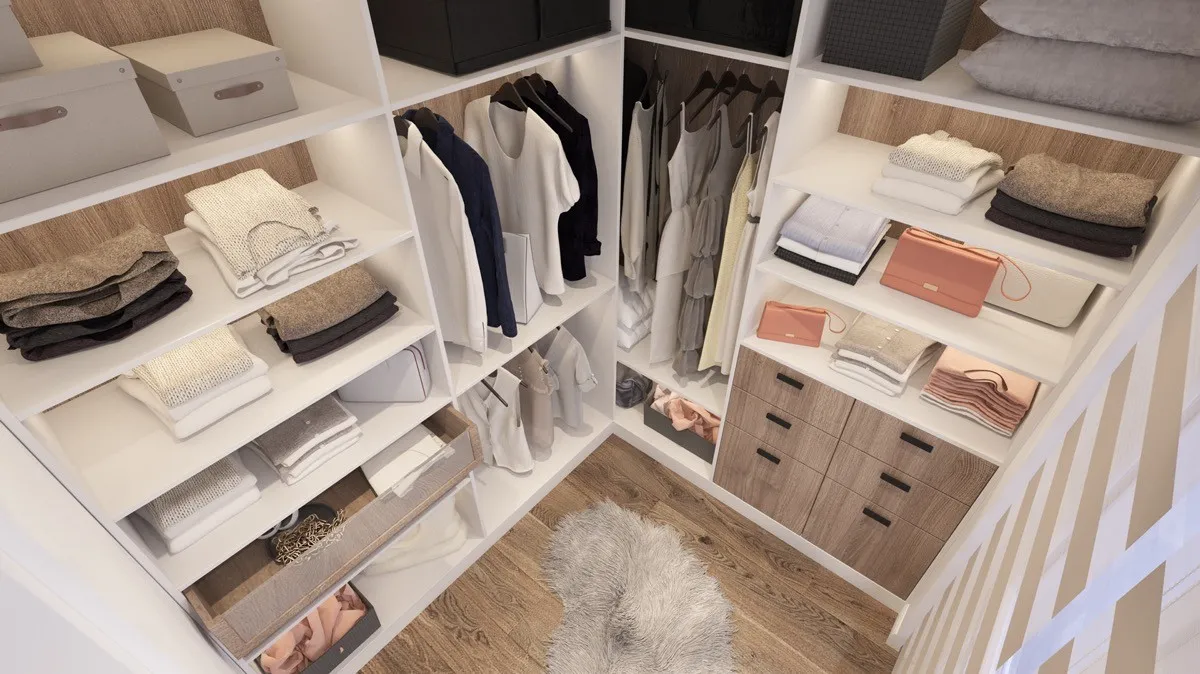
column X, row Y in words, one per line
column 650, row 77
column 528, row 94
column 744, row 84
column 728, row 81
column 507, row 95
column 769, row 92
column 425, row 120
column 401, row 125
column 488, row 386
column 705, row 83
column 538, row 83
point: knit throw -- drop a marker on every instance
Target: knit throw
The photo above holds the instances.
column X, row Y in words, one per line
column 943, row 155
column 197, row 367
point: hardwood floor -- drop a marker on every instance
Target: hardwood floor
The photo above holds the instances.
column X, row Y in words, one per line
column 791, row 615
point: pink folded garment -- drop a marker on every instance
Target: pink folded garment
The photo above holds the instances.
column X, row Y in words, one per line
column 1002, row 420
column 983, row 391
column 1010, row 385
column 305, row 643
column 685, row 414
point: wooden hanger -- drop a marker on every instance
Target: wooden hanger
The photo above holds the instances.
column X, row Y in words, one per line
column 425, row 120
column 530, row 96
column 508, row 95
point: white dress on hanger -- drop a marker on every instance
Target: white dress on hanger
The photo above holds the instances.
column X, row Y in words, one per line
column 499, row 425
column 634, row 196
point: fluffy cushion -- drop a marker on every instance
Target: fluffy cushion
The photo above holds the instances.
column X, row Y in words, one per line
column 1128, row 82
column 1169, row 26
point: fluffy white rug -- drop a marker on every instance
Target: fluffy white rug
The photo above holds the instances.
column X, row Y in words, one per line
column 633, row 599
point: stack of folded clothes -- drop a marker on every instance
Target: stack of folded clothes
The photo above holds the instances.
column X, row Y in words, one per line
column 191, row 510
column 199, row 383
column 974, row 388
column 300, row 445
column 88, row 300
column 329, row 314
column 1092, row 211
column 633, row 314
column 259, row 233
column 881, row 355
column 830, row 239
column 940, row 172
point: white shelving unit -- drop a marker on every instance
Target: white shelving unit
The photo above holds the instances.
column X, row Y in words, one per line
column 717, row 50
column 708, row 392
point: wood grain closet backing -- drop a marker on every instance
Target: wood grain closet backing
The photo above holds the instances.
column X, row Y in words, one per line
column 800, row 395
column 892, row 488
column 772, row 482
column 781, row 430
column 114, row 22
column 870, row 538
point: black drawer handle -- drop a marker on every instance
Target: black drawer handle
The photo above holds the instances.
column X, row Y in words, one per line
column 780, row 422
column 919, row 444
column 877, row 517
column 798, row 385
column 902, row 486
column 768, row 456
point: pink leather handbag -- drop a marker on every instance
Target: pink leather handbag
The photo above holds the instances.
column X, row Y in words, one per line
column 802, row 326
column 943, row 272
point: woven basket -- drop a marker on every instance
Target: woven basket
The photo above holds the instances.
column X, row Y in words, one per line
column 906, row 38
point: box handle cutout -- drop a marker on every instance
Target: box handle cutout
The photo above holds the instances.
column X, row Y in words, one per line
column 29, row 119
column 238, row 91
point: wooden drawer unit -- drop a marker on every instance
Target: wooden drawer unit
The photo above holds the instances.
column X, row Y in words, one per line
column 772, row 482
column 803, row 397
column 899, row 492
column 781, row 430
column 871, row 539
column 953, row 471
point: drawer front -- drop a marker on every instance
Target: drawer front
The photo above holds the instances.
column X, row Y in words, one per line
column 951, row 470
column 899, row 492
column 803, row 397
column 772, row 482
column 781, row 430
column 870, row 538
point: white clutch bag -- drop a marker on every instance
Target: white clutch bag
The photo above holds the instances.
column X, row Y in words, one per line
column 1055, row 298
column 403, row 378
column 522, row 282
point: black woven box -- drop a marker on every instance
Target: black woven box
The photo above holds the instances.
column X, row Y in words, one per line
column 906, row 38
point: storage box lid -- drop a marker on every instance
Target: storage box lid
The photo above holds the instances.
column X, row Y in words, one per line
column 70, row 62
column 204, row 57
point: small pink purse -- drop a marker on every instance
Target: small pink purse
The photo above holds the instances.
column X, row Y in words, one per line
column 793, row 324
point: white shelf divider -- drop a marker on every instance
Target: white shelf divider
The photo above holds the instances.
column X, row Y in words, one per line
column 135, row 458
column 843, row 169
column 709, row 393
column 717, row 50
column 322, row 108
column 31, row 387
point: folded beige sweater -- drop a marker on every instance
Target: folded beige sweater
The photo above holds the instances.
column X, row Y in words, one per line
column 1116, row 199
column 323, row 304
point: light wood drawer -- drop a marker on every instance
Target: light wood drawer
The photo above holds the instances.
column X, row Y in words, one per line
column 952, row 471
column 870, row 538
column 772, row 482
column 781, row 430
column 903, row 494
column 803, row 397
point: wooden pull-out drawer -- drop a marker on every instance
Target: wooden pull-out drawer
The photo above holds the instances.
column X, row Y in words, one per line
column 903, row 494
column 953, row 471
column 767, row 479
column 785, row 388
column 781, row 429
column 871, row 539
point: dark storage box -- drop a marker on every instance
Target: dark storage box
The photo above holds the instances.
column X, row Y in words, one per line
column 686, row 438
column 767, row 26
column 906, row 38
column 463, row 36
column 342, row 648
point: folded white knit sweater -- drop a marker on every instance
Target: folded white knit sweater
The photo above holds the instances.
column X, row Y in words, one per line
column 943, row 155
column 198, row 505
column 183, row 374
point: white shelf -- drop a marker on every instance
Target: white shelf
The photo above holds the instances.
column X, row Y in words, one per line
column 1020, row 344
column 322, row 108
column 408, row 84
column 951, row 85
column 907, row 407
column 503, row 498
column 467, row 368
column 634, row 430
column 708, row 394
column 720, row 51
column 382, row 425
column 128, row 457
column 28, row 387
column 843, row 169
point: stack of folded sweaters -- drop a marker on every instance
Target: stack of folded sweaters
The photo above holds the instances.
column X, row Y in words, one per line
column 188, row 512
column 1092, row 211
column 199, row 383
column 881, row 355
column 830, row 239
column 88, row 300
column 329, row 314
column 634, row 313
column 259, row 233
column 974, row 388
column 940, row 172
column 300, row 445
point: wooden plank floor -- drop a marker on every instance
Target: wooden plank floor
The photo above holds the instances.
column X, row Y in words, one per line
column 792, row 616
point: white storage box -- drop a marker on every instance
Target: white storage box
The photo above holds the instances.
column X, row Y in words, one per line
column 15, row 51
column 1056, row 298
column 403, row 378
column 78, row 115
column 211, row 80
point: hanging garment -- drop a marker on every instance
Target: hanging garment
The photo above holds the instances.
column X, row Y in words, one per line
column 634, row 82
column 573, row 370
column 634, row 196
column 658, row 201
column 474, row 180
column 533, row 181
column 449, row 248
column 501, row 431
column 538, row 384
column 578, row 228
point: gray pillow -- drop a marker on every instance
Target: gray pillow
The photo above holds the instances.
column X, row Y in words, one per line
column 1171, row 26
column 1127, row 82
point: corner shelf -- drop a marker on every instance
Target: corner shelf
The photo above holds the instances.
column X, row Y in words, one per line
column 708, row 394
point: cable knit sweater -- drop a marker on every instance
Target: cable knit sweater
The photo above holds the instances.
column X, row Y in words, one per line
column 943, row 155
column 193, row 369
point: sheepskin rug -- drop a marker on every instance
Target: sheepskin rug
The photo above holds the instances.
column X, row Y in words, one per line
column 634, row 601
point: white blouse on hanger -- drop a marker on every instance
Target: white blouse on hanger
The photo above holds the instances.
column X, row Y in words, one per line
column 533, row 182
column 575, row 377
column 500, row 425
column 634, row 196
